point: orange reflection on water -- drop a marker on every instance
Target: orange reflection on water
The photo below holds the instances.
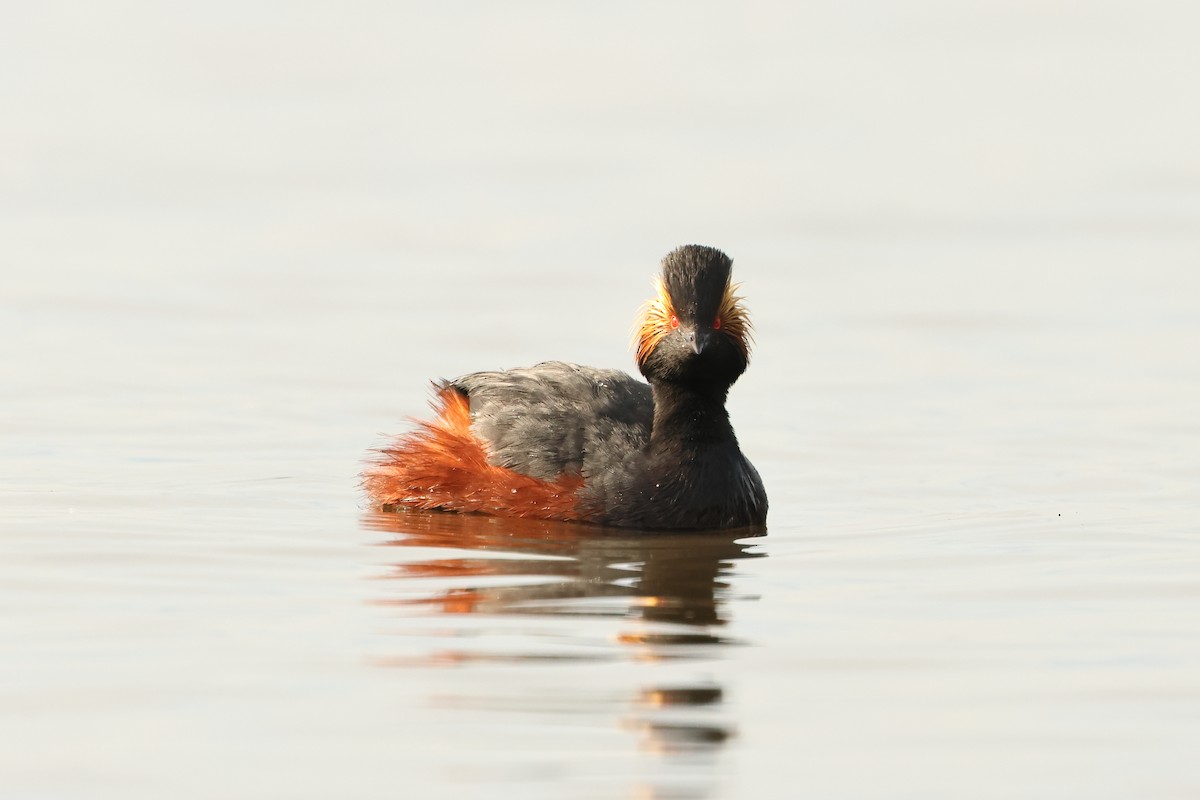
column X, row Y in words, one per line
column 562, row 568
column 538, row 593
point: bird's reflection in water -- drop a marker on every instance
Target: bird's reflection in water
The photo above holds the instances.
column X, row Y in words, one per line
column 593, row 595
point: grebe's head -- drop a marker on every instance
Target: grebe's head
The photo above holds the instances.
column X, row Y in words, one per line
column 695, row 329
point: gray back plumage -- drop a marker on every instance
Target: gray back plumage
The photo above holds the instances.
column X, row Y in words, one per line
column 556, row 418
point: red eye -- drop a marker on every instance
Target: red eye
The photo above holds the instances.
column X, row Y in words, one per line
column 674, row 322
column 717, row 324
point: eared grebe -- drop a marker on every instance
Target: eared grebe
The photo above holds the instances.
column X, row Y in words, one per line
column 566, row 442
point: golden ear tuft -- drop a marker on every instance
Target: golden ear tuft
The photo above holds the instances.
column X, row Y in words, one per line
column 655, row 322
column 734, row 321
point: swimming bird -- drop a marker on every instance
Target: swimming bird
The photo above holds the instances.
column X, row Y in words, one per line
column 567, row 442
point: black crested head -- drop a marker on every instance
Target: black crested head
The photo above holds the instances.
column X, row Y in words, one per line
column 696, row 278
column 694, row 331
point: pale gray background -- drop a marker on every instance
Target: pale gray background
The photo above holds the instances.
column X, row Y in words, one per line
column 238, row 239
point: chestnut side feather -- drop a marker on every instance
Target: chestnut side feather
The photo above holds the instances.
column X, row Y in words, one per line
column 441, row 464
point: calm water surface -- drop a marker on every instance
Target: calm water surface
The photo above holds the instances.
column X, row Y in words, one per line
column 236, row 243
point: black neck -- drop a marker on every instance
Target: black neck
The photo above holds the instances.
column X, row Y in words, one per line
column 687, row 416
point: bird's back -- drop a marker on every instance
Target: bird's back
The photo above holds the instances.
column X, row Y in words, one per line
column 556, row 418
